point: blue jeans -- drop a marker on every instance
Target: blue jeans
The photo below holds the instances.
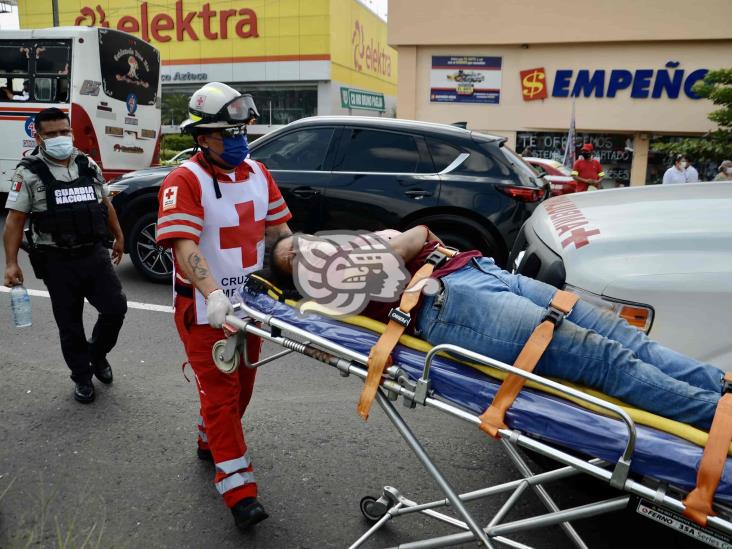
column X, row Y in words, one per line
column 492, row 312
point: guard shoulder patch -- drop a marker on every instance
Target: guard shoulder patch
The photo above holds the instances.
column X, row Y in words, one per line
column 170, row 197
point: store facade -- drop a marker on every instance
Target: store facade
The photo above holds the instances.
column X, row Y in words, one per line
column 519, row 69
column 296, row 58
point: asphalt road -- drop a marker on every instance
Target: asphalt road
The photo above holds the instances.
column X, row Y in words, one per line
column 122, row 472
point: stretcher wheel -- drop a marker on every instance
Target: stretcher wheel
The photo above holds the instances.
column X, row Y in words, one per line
column 217, row 351
column 371, row 508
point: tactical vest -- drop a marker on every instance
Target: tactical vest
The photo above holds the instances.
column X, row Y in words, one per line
column 73, row 216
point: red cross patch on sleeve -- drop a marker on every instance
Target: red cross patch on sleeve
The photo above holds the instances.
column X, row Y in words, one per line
column 170, row 198
column 16, row 186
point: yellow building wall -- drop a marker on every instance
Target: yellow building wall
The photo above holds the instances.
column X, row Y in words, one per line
column 360, row 55
column 269, row 30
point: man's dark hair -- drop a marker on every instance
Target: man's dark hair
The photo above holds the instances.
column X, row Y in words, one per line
column 274, row 273
column 47, row 115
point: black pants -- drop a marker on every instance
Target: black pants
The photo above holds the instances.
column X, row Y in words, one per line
column 71, row 277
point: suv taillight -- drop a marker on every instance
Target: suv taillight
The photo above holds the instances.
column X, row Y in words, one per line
column 524, row 194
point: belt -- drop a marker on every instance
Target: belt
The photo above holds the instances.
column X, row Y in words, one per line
column 78, row 251
column 183, row 291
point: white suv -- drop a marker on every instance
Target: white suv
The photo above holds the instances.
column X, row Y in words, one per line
column 660, row 256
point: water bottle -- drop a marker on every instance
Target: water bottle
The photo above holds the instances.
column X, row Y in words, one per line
column 21, row 305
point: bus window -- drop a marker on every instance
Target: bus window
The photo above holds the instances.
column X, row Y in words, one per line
column 16, row 57
column 14, row 89
column 62, row 90
column 129, row 67
column 52, row 59
column 44, row 89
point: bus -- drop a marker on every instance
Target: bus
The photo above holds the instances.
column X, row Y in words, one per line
column 106, row 80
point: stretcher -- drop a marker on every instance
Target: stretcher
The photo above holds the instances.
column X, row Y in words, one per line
column 653, row 470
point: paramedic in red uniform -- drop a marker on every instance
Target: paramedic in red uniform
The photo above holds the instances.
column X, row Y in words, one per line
column 586, row 170
column 216, row 211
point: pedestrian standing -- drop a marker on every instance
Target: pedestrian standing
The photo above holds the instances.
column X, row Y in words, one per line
column 692, row 175
column 586, row 170
column 725, row 171
column 217, row 211
column 677, row 172
column 62, row 191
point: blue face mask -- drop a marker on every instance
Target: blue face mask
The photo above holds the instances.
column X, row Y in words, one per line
column 236, row 150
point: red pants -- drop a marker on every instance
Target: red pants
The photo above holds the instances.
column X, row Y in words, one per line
column 224, row 398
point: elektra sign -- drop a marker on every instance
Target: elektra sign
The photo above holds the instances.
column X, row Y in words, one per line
column 669, row 82
column 216, row 25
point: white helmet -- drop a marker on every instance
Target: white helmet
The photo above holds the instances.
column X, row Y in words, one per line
column 217, row 105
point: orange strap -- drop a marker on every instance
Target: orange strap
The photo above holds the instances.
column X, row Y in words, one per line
column 380, row 355
column 493, row 418
column 699, row 501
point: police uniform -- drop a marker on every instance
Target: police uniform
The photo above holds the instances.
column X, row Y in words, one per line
column 69, row 224
column 230, row 234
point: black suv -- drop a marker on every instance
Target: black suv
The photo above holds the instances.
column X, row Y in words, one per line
column 345, row 172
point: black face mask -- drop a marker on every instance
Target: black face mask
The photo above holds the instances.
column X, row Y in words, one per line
column 586, row 155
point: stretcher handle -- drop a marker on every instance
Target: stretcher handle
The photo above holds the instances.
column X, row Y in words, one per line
column 623, row 464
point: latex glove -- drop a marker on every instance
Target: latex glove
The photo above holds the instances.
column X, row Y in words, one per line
column 217, row 307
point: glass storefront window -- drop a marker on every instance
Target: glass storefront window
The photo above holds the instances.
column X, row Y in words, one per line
column 282, row 106
column 277, row 104
column 614, row 151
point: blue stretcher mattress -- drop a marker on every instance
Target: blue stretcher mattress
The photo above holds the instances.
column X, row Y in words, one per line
column 657, row 454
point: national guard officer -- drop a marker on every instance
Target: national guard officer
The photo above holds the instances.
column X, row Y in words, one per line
column 63, row 192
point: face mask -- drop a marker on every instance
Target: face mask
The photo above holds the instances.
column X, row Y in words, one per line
column 683, row 165
column 58, row 148
column 236, row 150
column 586, row 156
column 728, row 171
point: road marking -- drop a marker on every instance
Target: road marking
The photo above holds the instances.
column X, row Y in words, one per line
column 130, row 304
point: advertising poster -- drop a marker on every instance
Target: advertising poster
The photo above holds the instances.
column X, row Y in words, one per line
column 465, row 79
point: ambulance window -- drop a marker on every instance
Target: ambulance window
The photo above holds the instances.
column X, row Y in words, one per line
column 52, row 59
column 15, row 57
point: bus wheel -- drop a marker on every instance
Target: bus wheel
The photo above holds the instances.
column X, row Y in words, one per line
column 152, row 261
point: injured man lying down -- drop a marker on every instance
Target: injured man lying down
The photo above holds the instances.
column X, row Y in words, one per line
column 490, row 311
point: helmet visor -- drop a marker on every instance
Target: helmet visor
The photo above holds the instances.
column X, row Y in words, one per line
column 241, row 110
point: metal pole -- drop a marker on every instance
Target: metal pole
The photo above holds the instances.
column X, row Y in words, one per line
column 54, row 9
column 427, row 463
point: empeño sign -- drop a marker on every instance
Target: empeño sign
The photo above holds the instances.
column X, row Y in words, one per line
column 360, row 99
column 641, row 83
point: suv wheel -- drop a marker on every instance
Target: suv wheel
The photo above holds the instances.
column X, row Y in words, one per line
column 154, row 262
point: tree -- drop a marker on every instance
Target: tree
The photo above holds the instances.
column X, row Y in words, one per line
column 717, row 144
column 175, row 108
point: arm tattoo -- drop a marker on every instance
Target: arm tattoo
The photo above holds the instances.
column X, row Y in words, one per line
column 194, row 261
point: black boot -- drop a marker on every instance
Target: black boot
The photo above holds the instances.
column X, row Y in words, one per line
column 247, row 513
column 204, row 455
column 103, row 371
column 84, row 392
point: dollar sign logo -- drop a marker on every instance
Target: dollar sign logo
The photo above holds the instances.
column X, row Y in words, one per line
column 533, row 84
